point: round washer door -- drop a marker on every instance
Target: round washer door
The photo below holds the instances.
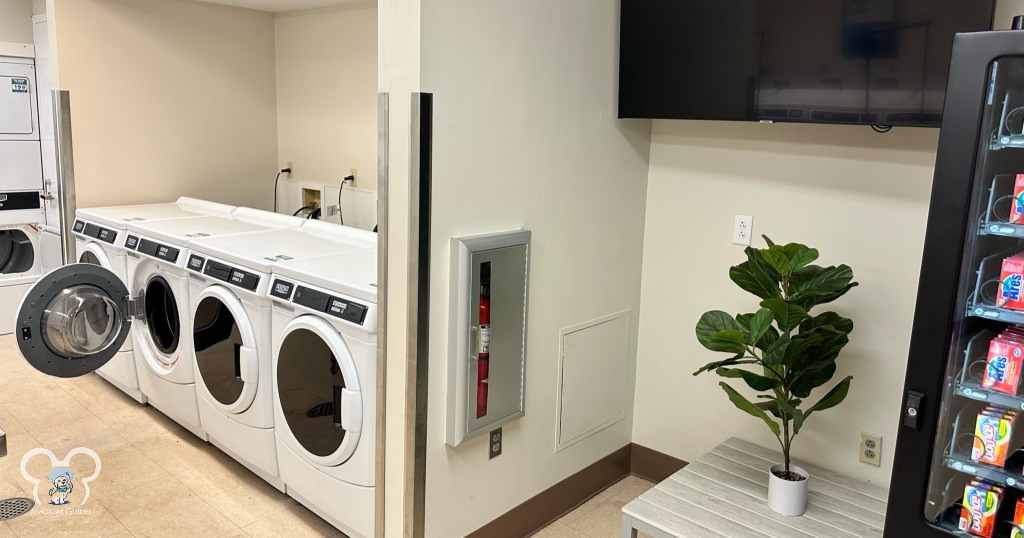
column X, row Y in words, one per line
column 318, row 390
column 225, row 349
column 94, row 254
column 73, row 320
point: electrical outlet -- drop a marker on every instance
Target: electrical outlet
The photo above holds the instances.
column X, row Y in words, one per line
column 291, row 166
column 741, row 229
column 871, row 448
column 494, row 446
column 352, row 172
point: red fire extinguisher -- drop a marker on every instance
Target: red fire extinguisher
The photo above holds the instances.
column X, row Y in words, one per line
column 483, row 341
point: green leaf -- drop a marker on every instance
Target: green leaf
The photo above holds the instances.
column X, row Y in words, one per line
column 748, row 407
column 787, row 316
column 767, row 241
column 812, row 379
column 777, row 351
column 713, row 322
column 754, row 381
column 728, row 341
column 832, row 398
column 827, row 319
column 824, row 280
column 748, row 281
column 775, row 256
column 759, row 324
column 799, row 255
column 738, row 359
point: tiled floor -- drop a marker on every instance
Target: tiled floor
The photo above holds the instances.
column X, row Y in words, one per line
column 157, row 479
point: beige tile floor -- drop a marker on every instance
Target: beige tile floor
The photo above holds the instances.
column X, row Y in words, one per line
column 157, row 479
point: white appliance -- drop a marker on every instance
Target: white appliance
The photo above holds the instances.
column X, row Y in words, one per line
column 324, row 328
column 20, row 266
column 156, row 275
column 230, row 331
column 21, row 172
column 100, row 234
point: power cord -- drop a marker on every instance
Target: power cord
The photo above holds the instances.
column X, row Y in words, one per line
column 276, row 179
column 341, row 217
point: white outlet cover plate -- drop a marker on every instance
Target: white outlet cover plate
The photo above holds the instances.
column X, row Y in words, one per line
column 742, row 229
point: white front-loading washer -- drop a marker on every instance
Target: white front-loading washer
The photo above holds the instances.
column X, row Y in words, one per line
column 100, row 234
column 230, row 331
column 324, row 326
column 156, row 260
column 20, row 266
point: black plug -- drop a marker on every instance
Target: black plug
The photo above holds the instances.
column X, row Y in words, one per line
column 286, row 170
column 348, row 178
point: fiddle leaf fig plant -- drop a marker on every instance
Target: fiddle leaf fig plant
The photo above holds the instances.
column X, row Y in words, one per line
column 782, row 350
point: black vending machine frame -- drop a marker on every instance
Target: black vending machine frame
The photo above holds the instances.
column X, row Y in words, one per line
column 948, row 225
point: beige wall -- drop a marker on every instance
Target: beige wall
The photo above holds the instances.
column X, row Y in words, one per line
column 860, row 197
column 16, row 21
column 169, row 98
column 327, row 93
column 526, row 135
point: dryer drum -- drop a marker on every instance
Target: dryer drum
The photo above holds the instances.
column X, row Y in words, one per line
column 16, row 252
column 309, row 381
column 162, row 315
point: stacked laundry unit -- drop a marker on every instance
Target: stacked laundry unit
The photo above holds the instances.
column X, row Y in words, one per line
column 21, row 179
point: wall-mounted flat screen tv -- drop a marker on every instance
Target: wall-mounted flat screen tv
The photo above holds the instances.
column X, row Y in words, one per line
column 875, row 62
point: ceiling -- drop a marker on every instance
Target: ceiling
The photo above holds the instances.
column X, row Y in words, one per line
column 277, row 6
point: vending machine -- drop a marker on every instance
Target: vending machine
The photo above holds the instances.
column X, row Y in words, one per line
column 959, row 460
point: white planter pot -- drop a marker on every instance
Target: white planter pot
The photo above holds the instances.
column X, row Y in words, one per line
column 787, row 497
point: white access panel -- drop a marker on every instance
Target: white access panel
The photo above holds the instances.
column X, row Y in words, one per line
column 20, row 166
column 18, row 113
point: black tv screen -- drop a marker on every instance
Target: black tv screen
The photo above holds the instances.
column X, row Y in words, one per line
column 876, row 62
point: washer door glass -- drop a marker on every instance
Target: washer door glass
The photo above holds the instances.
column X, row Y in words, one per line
column 16, row 252
column 225, row 349
column 72, row 322
column 161, row 315
column 314, row 389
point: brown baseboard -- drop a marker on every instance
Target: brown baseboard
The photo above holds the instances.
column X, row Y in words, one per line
column 652, row 465
column 562, row 498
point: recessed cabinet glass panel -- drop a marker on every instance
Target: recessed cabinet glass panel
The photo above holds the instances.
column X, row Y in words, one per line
column 977, row 474
column 218, row 343
column 309, row 383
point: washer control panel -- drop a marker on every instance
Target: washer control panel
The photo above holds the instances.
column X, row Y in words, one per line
column 223, row 272
column 95, row 231
column 319, row 301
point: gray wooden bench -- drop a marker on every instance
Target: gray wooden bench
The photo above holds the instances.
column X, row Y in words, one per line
column 724, row 494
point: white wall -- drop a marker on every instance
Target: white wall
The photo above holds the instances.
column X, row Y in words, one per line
column 327, row 92
column 526, row 135
column 16, row 21
column 169, row 98
column 860, row 197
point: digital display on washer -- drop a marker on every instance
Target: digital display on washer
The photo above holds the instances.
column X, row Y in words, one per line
column 156, row 250
column 226, row 273
column 329, row 304
column 131, row 242
column 195, row 263
column 79, row 226
column 98, row 232
column 282, row 289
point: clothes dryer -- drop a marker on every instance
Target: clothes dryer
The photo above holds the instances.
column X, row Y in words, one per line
column 20, row 263
column 100, row 234
column 230, row 331
column 21, row 168
column 324, row 326
column 156, row 260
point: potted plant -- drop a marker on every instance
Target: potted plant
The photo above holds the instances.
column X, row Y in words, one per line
column 782, row 351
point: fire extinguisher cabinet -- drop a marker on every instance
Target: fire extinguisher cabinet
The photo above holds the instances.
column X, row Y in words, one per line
column 487, row 339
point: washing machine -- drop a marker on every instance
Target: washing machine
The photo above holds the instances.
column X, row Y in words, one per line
column 99, row 239
column 324, row 327
column 230, row 330
column 20, row 265
column 158, row 282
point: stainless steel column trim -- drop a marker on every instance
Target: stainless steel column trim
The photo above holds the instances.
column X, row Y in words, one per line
column 65, row 174
column 419, row 314
column 383, row 133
